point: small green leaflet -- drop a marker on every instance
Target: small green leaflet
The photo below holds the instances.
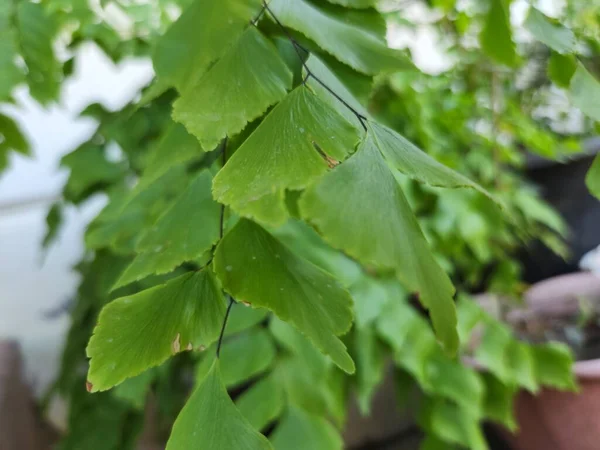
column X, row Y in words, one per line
column 370, row 366
column 370, row 297
column 498, row 402
column 553, row 364
column 351, row 45
column 10, row 74
column 244, row 356
column 11, row 138
column 413, row 162
column 210, row 420
column 496, row 36
column 54, row 220
column 360, row 208
column 175, row 146
column 557, row 37
column 561, row 69
column 89, row 168
column 299, row 430
column 452, row 424
column 262, row 403
column 593, row 178
column 255, row 268
column 37, row 31
column 236, row 90
column 585, row 93
column 282, row 154
column 140, row 331
column 199, row 37
column 184, row 232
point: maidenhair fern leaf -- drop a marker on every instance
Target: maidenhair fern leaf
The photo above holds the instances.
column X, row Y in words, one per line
column 262, row 403
column 585, row 93
column 210, row 420
column 255, row 268
column 557, row 37
column 236, row 90
column 140, row 331
column 291, row 147
column 360, row 208
column 183, row 233
column 496, row 36
column 351, row 45
column 299, row 430
column 200, row 36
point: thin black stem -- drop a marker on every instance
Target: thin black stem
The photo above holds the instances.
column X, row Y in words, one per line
column 309, row 74
column 231, row 302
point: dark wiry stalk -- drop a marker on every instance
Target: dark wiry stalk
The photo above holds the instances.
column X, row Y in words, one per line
column 231, row 302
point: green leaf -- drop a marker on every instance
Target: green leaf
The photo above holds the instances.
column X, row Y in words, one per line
column 11, row 138
column 37, row 31
column 557, row 37
column 135, row 390
column 140, row 331
column 10, row 73
column 89, row 168
column 361, row 199
column 254, row 267
column 241, row 319
column 585, row 92
column 469, row 314
column 496, row 36
column 184, row 232
column 262, row 403
column 235, row 91
column 200, row 36
column 415, row 163
column 352, row 45
column 299, row 430
column 492, row 350
column 175, row 146
column 499, row 401
column 553, row 366
column 593, row 178
column 454, row 425
column 282, row 154
column 561, row 69
column 521, row 364
column 370, row 365
column 355, row 3
column 457, row 382
column 327, row 76
column 210, row 420
column 370, row 297
column 244, row 357
column 54, row 220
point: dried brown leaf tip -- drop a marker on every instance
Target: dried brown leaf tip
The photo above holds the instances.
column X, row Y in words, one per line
column 89, row 386
column 176, row 344
column 201, row 348
column 331, row 162
column 189, row 347
column 245, row 303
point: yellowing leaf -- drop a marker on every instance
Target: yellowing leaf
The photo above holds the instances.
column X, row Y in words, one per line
column 255, row 268
column 140, row 331
column 199, row 37
column 351, row 45
column 210, row 420
column 360, row 208
column 236, row 90
column 183, row 233
column 286, row 151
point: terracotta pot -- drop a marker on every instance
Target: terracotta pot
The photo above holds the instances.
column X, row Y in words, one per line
column 555, row 420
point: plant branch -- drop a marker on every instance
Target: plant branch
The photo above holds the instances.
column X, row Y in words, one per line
column 309, row 74
column 231, row 302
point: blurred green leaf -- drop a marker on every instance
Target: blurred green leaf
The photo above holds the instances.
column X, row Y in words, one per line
column 557, row 37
